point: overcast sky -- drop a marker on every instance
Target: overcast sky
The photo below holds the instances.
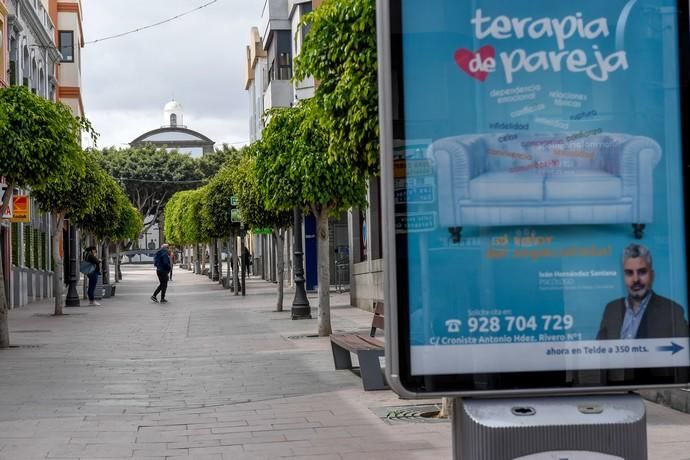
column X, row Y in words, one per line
column 199, row 58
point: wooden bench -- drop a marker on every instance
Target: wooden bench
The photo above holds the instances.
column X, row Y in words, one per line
column 368, row 350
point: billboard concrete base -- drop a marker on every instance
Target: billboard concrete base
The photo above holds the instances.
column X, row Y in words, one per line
column 611, row 427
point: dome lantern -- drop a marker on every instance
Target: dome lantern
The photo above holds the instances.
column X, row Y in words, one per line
column 173, row 115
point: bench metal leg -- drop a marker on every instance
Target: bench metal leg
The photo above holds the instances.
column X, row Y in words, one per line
column 341, row 357
column 370, row 369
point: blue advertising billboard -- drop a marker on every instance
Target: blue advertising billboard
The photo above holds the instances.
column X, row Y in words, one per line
column 535, row 174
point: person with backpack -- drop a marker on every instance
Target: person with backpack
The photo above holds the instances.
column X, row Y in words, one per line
column 163, row 265
column 92, row 274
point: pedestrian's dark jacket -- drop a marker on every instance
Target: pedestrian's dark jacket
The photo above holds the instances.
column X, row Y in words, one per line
column 93, row 260
column 162, row 261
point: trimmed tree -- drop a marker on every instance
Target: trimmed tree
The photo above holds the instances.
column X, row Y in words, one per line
column 216, row 215
column 256, row 215
column 340, row 52
column 38, row 138
column 182, row 220
column 72, row 194
column 105, row 218
column 294, row 168
column 128, row 228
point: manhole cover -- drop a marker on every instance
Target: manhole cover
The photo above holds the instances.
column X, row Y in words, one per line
column 31, row 331
column 427, row 413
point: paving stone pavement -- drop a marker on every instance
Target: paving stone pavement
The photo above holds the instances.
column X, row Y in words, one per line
column 208, row 376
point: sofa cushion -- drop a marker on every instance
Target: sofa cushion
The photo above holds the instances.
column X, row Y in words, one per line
column 507, row 186
column 581, row 184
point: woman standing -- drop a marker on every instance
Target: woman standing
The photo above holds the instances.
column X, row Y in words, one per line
column 90, row 256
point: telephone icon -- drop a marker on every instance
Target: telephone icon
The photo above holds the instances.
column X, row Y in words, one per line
column 453, row 325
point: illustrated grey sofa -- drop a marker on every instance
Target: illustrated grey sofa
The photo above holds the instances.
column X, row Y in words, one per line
column 545, row 179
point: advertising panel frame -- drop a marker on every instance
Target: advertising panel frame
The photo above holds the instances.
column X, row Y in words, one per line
column 397, row 331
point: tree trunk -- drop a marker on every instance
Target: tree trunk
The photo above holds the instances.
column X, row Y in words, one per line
column 118, row 257
column 210, row 258
column 235, row 267
column 279, row 240
column 203, row 259
column 58, row 270
column 4, row 316
column 197, row 259
column 105, row 262
column 220, row 261
column 323, row 251
column 228, row 264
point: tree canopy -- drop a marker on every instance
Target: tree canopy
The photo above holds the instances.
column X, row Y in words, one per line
column 293, row 167
column 105, row 218
column 150, row 176
column 129, row 225
column 216, row 210
column 211, row 163
column 183, row 217
column 74, row 192
column 37, row 138
column 250, row 200
column 340, row 52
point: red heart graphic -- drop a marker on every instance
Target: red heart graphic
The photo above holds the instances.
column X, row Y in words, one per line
column 463, row 57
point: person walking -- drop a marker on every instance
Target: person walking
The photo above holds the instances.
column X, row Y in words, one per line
column 90, row 257
column 163, row 265
column 246, row 260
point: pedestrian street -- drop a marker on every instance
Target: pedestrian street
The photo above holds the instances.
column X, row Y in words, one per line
column 209, row 375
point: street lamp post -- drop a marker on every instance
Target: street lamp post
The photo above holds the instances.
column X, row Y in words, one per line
column 72, row 299
column 300, row 304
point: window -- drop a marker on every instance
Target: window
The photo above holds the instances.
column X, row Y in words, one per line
column 173, row 120
column 305, row 8
column 67, row 45
column 279, row 57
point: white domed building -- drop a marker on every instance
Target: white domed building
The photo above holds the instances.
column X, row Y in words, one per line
column 174, row 135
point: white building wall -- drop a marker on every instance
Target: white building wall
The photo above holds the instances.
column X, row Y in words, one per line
column 274, row 16
column 302, row 89
column 70, row 73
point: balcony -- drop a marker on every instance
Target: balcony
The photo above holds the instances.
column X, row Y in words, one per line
column 278, row 94
column 275, row 16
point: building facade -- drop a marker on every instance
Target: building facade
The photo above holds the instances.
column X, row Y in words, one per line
column 273, row 46
column 69, row 37
column 4, row 51
column 33, row 60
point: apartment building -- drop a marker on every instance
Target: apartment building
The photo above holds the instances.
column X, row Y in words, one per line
column 29, row 37
column 69, row 38
column 4, row 51
column 273, row 45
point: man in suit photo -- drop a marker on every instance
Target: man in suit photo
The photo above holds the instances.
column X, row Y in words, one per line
column 642, row 314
